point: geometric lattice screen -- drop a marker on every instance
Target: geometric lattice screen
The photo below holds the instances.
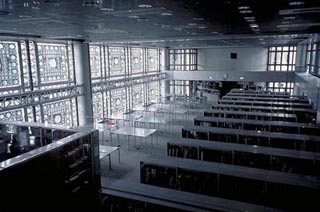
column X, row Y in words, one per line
column 136, row 60
column 97, row 106
column 117, row 61
column 12, row 115
column 53, row 63
column 137, row 96
column 9, row 65
column 152, row 60
column 153, row 92
column 59, row 112
column 118, row 101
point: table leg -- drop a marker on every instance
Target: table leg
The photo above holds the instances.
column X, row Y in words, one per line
column 109, row 161
column 119, row 154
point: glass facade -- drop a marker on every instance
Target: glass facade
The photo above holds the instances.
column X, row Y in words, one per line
column 182, row 60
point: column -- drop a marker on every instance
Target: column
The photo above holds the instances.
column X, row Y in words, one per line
column 166, row 68
column 83, row 77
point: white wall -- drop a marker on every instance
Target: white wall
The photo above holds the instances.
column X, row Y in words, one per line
column 218, row 59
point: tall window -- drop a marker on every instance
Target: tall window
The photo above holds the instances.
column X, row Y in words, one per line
column 282, row 58
column 312, row 62
column 183, row 59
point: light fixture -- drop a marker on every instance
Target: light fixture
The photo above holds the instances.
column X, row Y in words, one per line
column 144, row 5
column 243, row 7
column 241, row 78
column 133, row 16
column 106, row 9
column 249, row 18
column 192, row 24
column 289, row 17
column 210, row 77
column 254, row 25
column 166, row 14
column 245, row 11
column 202, row 27
column 296, row 3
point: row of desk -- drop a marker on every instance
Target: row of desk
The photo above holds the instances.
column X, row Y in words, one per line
column 252, row 137
column 251, row 115
column 246, row 155
column 269, row 99
column 284, row 160
column 268, row 95
column 265, row 103
column 303, row 114
column 242, row 153
column 249, row 91
column 143, row 123
column 246, row 184
column 261, row 125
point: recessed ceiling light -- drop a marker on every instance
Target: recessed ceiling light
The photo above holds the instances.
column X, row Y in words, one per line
column 243, row 7
column 166, row 14
column 249, row 18
column 202, row 27
column 245, row 11
column 296, row 3
column 25, row 16
column 289, row 17
column 144, row 5
column 133, row 16
column 254, row 25
column 192, row 24
column 106, row 9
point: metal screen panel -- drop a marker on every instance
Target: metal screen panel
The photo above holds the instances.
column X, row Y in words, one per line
column 59, row 112
column 136, row 60
column 9, row 65
column 152, row 60
column 116, row 61
column 53, row 63
column 118, row 101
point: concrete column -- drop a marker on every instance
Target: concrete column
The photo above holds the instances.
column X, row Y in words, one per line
column 166, row 67
column 83, row 77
